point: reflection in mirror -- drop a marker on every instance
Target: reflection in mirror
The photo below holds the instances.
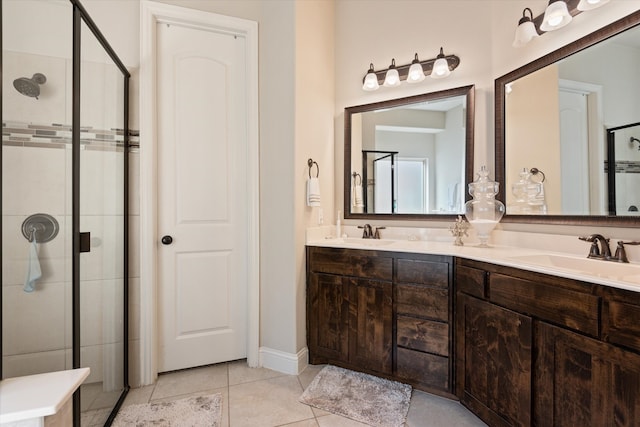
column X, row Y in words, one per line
column 552, row 116
column 623, row 172
column 410, row 157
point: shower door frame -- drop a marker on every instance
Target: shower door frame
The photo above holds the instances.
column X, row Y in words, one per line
column 80, row 16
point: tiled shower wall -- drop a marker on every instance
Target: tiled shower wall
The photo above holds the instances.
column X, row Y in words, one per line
column 627, row 170
column 37, row 179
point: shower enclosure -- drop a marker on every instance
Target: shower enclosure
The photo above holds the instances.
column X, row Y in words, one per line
column 64, row 202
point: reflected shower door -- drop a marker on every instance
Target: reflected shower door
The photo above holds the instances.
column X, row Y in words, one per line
column 102, row 207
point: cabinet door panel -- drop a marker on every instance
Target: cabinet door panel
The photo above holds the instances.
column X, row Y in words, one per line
column 370, row 324
column 328, row 317
column 581, row 381
column 497, row 364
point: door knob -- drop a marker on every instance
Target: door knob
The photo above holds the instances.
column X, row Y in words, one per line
column 167, row 240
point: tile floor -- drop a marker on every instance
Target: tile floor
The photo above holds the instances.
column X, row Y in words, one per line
column 261, row 397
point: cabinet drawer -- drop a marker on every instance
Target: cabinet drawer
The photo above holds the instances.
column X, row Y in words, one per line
column 424, row 301
column 471, row 281
column 425, row 272
column 423, row 335
column 348, row 262
column 427, row 369
column 621, row 324
column 573, row 309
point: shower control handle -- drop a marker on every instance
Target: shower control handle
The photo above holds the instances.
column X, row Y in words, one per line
column 167, row 240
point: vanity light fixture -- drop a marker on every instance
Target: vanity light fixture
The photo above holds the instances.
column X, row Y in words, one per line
column 590, row 4
column 416, row 73
column 392, row 78
column 438, row 67
column 526, row 30
column 557, row 14
column 370, row 80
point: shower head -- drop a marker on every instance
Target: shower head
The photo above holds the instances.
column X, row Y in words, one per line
column 30, row 86
column 632, row 140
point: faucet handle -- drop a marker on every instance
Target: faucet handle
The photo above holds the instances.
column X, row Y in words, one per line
column 376, row 235
column 594, row 251
column 621, row 253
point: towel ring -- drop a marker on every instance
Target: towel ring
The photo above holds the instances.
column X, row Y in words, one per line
column 536, row 171
column 42, row 226
column 310, row 162
column 356, row 175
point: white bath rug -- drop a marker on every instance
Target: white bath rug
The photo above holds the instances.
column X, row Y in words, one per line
column 199, row 411
column 361, row 397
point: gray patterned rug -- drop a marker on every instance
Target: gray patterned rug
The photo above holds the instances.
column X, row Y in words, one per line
column 199, row 411
column 361, row 397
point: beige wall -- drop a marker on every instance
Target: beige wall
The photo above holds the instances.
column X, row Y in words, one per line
column 532, row 108
column 302, row 45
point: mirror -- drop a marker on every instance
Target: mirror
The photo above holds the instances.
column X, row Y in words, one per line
column 409, row 158
column 585, row 95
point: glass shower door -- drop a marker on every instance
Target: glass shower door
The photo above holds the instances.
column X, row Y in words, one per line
column 102, row 286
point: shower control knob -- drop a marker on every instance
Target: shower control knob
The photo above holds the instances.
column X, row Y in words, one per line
column 167, row 240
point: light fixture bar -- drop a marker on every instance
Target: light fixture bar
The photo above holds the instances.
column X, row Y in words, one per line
column 427, row 66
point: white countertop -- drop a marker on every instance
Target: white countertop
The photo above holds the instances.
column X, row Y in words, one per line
column 40, row 395
column 608, row 273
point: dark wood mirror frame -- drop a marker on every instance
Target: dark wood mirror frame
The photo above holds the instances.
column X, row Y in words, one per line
column 469, row 91
column 610, row 30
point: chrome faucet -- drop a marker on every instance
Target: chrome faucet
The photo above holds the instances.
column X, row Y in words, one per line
column 601, row 252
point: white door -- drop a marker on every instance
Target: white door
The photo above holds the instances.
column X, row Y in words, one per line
column 574, row 152
column 202, row 188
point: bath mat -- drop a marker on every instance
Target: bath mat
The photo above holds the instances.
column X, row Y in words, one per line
column 361, row 397
column 199, row 411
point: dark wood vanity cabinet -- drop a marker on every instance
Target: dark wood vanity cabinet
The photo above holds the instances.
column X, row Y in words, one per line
column 384, row 313
column 350, row 309
column 533, row 349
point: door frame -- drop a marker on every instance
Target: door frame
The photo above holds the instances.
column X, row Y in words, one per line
column 152, row 13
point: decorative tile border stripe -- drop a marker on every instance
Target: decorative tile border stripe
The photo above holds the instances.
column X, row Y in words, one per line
column 625, row 166
column 59, row 135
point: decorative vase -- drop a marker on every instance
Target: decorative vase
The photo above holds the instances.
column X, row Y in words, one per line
column 483, row 212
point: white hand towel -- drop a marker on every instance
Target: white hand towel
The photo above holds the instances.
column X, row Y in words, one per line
column 33, row 266
column 356, row 197
column 313, row 192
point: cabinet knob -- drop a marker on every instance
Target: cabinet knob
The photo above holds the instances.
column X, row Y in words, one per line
column 167, row 240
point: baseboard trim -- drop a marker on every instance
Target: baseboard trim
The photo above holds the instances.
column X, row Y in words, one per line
column 287, row 363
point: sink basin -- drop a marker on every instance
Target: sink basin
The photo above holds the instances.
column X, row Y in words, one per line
column 368, row 242
column 600, row 268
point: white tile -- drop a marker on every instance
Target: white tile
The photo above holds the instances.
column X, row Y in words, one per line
column 139, row 395
column 134, row 246
column 33, row 322
column 134, row 309
column 91, row 356
column 439, row 412
column 101, row 311
column 134, row 183
column 338, row 421
column 51, row 106
column 33, row 363
column 191, row 381
column 240, row 372
column 102, row 178
column 34, row 180
column 270, row 402
column 105, row 260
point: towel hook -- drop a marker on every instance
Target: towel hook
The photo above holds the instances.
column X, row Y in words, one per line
column 536, row 171
column 357, row 175
column 310, row 162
